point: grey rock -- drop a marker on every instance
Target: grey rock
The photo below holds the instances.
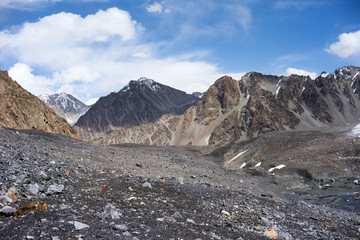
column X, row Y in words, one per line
column 110, row 212
column 147, row 185
column 79, row 225
column 177, row 215
column 121, row 227
column 7, row 210
column 190, row 221
column 55, row 188
column 181, row 180
column 127, row 234
column 33, row 188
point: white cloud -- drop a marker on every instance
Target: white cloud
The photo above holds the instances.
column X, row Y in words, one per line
column 89, row 56
column 22, row 73
column 301, row 72
column 348, row 45
column 155, row 8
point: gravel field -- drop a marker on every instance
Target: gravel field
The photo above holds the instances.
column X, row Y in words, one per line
column 55, row 187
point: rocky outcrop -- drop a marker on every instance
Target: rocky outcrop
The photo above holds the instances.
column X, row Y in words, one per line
column 66, row 106
column 139, row 102
column 20, row 109
column 239, row 110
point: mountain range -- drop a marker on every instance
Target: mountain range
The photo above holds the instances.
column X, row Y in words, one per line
column 232, row 111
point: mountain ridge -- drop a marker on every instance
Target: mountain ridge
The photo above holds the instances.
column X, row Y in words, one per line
column 20, row 109
column 232, row 110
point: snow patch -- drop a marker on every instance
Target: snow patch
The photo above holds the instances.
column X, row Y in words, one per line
column 279, row 82
column 207, row 139
column 277, row 90
column 277, row 167
column 355, row 132
column 258, row 164
column 238, row 156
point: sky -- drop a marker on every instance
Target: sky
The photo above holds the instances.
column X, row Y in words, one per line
column 89, row 48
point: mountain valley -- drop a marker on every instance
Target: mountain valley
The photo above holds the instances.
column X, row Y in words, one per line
column 264, row 157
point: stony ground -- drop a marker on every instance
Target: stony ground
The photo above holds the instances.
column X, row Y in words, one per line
column 61, row 188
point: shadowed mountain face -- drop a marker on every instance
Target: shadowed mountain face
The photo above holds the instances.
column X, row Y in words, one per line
column 139, row 102
column 239, row 110
column 66, row 106
column 21, row 110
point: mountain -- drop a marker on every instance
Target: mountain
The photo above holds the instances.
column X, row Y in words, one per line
column 232, row 111
column 139, row 102
column 66, row 106
column 20, row 109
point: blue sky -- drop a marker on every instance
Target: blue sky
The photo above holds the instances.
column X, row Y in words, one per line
column 90, row 47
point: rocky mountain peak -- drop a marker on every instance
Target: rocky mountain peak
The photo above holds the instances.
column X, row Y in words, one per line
column 66, row 106
column 346, row 72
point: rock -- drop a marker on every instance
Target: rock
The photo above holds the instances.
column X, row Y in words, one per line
column 138, row 164
column 7, row 210
column 147, row 185
column 223, row 212
column 6, row 199
column 177, row 215
column 121, row 227
column 34, row 206
column 271, row 234
column 110, row 211
column 33, row 189
column 55, row 188
column 181, row 180
column 213, row 235
column 190, row 221
column 11, row 194
column 79, row 225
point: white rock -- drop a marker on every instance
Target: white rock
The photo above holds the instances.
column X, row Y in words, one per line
column 7, row 210
column 55, row 188
column 34, row 188
column 147, row 185
column 79, row 225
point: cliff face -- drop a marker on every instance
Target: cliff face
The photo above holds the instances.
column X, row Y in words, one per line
column 20, row 109
column 239, row 110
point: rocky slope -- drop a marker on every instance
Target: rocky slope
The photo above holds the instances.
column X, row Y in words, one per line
column 232, row 111
column 21, row 110
column 69, row 189
column 139, row 102
column 66, row 106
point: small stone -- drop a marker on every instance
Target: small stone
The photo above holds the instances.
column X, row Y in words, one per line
column 121, row 227
column 55, row 188
column 213, row 235
column 181, row 180
column 79, row 165
column 190, row 221
column 110, row 211
column 55, row 238
column 127, row 234
column 7, row 210
column 177, row 215
column 271, row 234
column 11, row 195
column 138, row 164
column 147, row 185
column 33, row 189
column 223, row 212
column 79, row 225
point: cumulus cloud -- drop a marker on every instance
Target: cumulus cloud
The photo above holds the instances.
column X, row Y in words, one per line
column 348, row 45
column 90, row 56
column 301, row 72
